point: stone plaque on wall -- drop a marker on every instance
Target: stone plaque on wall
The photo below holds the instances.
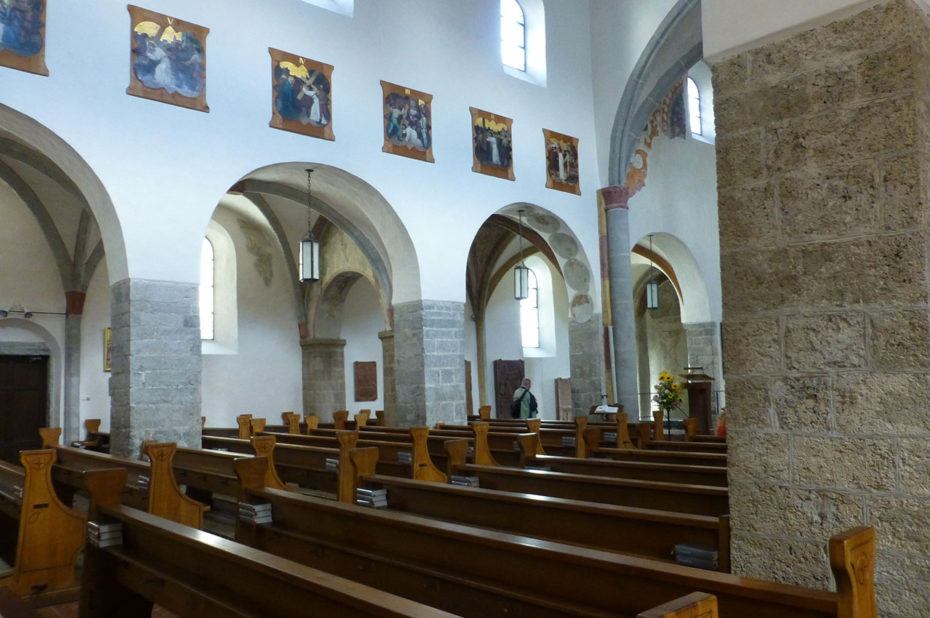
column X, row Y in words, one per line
column 366, row 380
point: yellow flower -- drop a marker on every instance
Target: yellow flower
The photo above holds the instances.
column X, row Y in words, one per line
column 675, row 386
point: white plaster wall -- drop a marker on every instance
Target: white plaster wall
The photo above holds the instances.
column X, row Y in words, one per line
column 763, row 20
column 95, row 382
column 680, row 199
column 361, row 323
column 165, row 167
column 263, row 378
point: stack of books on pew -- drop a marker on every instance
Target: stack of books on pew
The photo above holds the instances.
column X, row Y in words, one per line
column 255, row 513
column 696, row 556
column 470, row 453
column 18, row 492
column 104, row 534
column 610, row 436
column 376, row 498
column 142, row 481
column 332, row 464
column 568, row 441
column 404, row 457
column 464, row 481
column 516, row 446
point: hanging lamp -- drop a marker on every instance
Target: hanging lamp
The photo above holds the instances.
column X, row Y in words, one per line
column 652, row 287
column 521, row 273
column 309, row 245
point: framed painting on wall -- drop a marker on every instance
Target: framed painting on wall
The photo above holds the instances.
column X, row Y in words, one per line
column 107, row 356
column 561, row 162
column 168, row 60
column 22, row 35
column 492, row 144
column 408, row 122
column 366, row 380
column 301, row 95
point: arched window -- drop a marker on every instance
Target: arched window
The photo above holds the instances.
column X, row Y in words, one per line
column 529, row 314
column 694, row 107
column 207, row 279
column 513, row 35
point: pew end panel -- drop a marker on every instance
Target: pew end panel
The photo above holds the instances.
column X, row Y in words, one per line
column 581, row 449
column 534, row 425
column 311, row 421
column 340, row 418
column 50, row 436
column 483, row 456
column 694, row 605
column 50, row 535
column 244, row 422
column 456, row 456
column 852, row 559
column 165, row 497
column 529, row 448
column 264, row 446
column 423, row 467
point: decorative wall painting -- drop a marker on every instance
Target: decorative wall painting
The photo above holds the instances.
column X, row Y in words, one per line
column 561, row 162
column 408, row 122
column 107, row 350
column 22, row 35
column 301, row 93
column 168, row 60
column 492, row 144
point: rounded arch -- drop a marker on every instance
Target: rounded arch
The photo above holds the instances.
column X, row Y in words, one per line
column 349, row 203
column 673, row 257
column 325, row 319
column 24, row 337
column 27, row 140
column 493, row 250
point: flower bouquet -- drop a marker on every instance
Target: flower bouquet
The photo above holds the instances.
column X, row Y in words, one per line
column 668, row 393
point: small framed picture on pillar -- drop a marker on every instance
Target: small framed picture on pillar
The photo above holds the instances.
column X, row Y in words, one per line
column 106, row 349
column 366, row 380
column 561, row 162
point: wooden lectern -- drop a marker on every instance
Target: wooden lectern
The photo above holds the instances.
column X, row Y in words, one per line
column 698, row 385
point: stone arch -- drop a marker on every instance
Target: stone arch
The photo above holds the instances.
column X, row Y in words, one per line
column 492, row 256
column 20, row 336
column 676, row 45
column 324, row 321
column 673, row 257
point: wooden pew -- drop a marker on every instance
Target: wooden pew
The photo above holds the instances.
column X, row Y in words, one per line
column 715, row 476
column 663, row 496
column 150, row 486
column 694, row 605
column 593, row 441
column 49, row 534
column 644, row 532
column 95, row 440
column 476, row 571
column 197, row 575
column 421, row 466
column 305, row 466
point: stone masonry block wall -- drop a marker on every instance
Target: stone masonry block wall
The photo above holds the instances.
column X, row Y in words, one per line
column 155, row 363
column 823, row 170
column 586, row 358
column 324, row 377
column 429, row 367
column 390, row 381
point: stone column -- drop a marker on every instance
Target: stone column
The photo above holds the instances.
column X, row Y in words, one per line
column 587, row 368
column 71, row 421
column 390, row 384
column 823, row 176
column 620, row 270
column 430, row 362
column 324, row 377
column 156, row 368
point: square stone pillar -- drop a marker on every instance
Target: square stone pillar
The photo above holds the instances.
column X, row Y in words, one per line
column 390, row 386
column 155, row 365
column 324, row 377
column 586, row 341
column 429, row 349
column 824, row 185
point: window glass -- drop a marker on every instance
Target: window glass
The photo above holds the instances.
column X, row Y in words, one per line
column 694, row 107
column 529, row 314
column 513, row 35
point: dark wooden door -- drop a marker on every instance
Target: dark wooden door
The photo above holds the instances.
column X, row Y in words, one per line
column 507, row 377
column 23, row 403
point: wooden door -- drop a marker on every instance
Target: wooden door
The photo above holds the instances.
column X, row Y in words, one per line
column 508, row 374
column 564, row 411
column 23, row 403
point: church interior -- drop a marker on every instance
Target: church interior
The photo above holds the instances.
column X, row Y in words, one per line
column 367, row 218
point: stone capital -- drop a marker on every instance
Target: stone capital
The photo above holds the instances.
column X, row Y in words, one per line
column 616, row 196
